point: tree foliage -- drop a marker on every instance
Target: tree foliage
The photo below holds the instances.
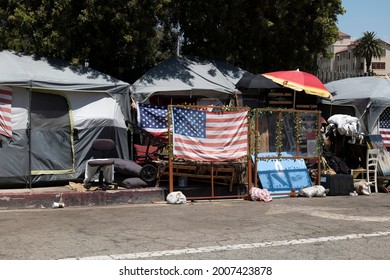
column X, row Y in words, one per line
column 117, row 37
column 126, row 38
column 367, row 47
column 259, row 35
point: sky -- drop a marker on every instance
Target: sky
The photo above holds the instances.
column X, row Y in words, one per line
column 365, row 15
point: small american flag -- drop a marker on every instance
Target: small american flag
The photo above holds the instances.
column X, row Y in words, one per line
column 209, row 136
column 384, row 126
column 153, row 119
column 5, row 111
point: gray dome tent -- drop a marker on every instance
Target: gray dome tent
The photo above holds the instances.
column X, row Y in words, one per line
column 369, row 96
column 56, row 110
column 187, row 76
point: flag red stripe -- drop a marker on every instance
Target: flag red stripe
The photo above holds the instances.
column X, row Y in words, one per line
column 216, row 158
column 187, row 150
column 218, row 119
column 5, row 119
column 225, row 134
column 6, row 92
column 5, row 101
column 6, row 127
column 186, row 142
column 5, row 109
column 225, row 127
column 199, row 155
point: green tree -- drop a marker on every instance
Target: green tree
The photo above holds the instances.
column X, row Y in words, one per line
column 258, row 35
column 124, row 38
column 367, row 47
column 118, row 37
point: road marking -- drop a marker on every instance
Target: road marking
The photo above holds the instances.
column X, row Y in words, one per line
column 325, row 212
column 335, row 216
column 208, row 249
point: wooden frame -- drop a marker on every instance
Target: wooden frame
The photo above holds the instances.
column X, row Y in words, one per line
column 295, row 133
column 216, row 170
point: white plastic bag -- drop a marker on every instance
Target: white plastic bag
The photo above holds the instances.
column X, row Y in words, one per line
column 176, row 198
column 313, row 191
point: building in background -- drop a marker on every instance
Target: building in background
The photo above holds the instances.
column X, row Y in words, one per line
column 343, row 64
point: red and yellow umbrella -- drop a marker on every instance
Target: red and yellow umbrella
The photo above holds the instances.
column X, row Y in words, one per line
column 299, row 81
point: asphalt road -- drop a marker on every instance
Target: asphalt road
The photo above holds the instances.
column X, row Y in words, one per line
column 340, row 227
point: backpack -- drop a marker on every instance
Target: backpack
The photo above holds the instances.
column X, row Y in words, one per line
column 338, row 165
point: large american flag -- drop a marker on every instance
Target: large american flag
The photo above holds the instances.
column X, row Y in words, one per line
column 5, row 111
column 153, row 119
column 384, row 126
column 204, row 135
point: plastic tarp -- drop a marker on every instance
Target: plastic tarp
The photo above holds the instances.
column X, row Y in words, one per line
column 67, row 107
column 188, row 75
column 370, row 96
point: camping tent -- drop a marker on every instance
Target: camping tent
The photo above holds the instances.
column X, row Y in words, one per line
column 368, row 96
column 55, row 112
column 187, row 76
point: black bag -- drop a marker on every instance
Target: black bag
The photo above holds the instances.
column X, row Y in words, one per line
column 338, row 165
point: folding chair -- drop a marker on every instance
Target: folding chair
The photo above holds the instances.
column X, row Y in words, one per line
column 102, row 164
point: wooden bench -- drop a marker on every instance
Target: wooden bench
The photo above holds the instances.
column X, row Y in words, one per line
column 224, row 175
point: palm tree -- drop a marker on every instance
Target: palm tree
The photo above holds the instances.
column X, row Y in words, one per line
column 368, row 47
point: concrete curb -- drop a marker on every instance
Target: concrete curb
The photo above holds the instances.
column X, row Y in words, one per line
column 12, row 199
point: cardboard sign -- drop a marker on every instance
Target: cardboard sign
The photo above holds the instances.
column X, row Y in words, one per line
column 281, row 175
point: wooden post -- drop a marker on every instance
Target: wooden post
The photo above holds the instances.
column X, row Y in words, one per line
column 170, row 167
column 212, row 178
column 279, row 133
column 256, row 130
column 170, row 151
column 319, row 141
column 298, row 133
column 249, row 161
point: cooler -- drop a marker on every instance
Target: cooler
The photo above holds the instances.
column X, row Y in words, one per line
column 338, row 184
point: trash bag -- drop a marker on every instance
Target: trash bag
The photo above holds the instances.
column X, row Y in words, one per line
column 176, row 198
column 314, row 191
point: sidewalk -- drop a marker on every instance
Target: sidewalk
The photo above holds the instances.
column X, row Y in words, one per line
column 75, row 194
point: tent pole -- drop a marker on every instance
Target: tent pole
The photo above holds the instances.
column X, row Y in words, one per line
column 29, row 137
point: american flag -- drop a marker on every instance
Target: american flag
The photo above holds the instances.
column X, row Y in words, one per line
column 384, row 126
column 209, row 136
column 153, row 119
column 5, row 111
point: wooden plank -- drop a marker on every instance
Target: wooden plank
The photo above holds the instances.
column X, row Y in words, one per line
column 279, row 94
column 280, row 102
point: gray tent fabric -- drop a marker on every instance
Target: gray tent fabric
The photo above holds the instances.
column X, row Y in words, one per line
column 27, row 71
column 370, row 96
column 188, row 75
column 57, row 111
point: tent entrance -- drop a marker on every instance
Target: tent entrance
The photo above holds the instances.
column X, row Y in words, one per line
column 51, row 130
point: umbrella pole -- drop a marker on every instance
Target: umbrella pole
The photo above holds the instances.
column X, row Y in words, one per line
column 294, row 98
